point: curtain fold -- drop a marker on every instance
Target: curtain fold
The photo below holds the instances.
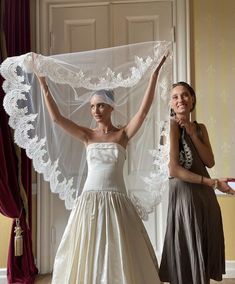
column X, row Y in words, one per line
column 15, row 170
column 17, row 26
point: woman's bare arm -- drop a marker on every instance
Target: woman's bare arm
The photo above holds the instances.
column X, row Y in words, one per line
column 176, row 170
column 135, row 123
column 200, row 140
column 204, row 147
column 69, row 126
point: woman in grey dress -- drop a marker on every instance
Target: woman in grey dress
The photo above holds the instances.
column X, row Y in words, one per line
column 193, row 251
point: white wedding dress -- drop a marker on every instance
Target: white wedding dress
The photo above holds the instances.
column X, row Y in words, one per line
column 105, row 241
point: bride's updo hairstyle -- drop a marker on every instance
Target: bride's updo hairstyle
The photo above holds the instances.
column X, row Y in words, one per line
column 104, row 96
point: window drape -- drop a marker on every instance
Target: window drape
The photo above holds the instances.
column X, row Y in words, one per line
column 15, row 170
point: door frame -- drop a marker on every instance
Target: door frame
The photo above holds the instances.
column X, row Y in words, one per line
column 181, row 63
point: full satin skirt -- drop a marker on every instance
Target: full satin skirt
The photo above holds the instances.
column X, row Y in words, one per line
column 105, row 242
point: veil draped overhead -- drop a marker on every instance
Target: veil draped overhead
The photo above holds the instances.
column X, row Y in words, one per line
column 72, row 78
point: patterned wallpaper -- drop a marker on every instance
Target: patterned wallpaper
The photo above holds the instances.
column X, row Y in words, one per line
column 213, row 60
column 214, row 33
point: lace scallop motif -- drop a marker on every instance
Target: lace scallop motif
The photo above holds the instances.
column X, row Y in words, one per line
column 157, row 180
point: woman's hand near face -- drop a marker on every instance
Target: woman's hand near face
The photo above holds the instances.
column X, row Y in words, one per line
column 189, row 126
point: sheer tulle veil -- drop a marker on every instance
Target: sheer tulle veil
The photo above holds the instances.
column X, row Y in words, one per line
column 72, row 79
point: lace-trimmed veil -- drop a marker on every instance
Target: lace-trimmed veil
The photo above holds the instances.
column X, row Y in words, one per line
column 72, row 78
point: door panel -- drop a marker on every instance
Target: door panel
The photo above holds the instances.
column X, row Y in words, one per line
column 140, row 22
column 78, row 27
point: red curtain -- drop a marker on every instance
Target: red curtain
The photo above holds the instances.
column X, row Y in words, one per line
column 17, row 26
column 20, row 269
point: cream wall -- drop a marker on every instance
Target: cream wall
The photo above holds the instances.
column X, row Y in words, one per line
column 5, row 230
column 213, row 75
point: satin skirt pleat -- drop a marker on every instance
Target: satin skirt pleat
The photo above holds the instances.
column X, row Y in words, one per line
column 105, row 242
column 193, row 249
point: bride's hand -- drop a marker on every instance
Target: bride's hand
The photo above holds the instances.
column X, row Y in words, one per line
column 41, row 79
column 35, row 62
column 156, row 71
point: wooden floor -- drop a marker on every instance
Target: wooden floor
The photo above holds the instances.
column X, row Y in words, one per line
column 43, row 279
column 46, row 279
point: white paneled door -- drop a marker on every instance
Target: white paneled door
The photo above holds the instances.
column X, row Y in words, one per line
column 71, row 26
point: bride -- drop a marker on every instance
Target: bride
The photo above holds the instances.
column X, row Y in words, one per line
column 105, row 240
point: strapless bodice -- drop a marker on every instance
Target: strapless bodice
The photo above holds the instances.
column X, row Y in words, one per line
column 105, row 167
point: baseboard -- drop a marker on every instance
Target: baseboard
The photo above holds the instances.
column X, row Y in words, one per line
column 3, row 276
column 230, row 269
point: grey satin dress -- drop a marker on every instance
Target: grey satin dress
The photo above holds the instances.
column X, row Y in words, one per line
column 193, row 249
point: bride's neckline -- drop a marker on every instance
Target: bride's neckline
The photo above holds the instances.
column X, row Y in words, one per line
column 114, row 143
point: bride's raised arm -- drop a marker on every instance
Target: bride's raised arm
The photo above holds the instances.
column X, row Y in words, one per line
column 135, row 123
column 69, row 126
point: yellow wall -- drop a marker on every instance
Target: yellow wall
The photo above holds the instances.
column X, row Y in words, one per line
column 5, row 230
column 228, row 212
column 213, row 69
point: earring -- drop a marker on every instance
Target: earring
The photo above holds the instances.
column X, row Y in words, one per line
column 172, row 113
